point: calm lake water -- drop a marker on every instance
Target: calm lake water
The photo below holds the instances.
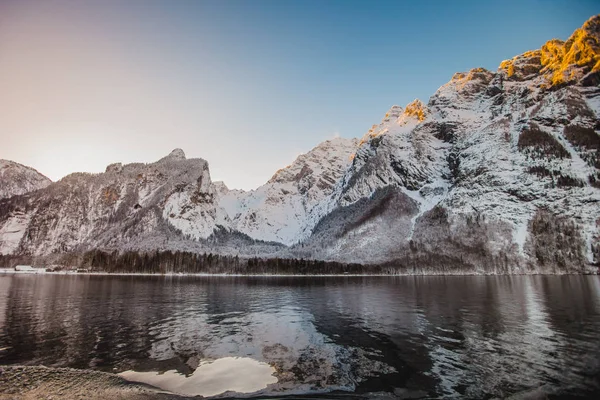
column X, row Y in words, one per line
column 436, row 337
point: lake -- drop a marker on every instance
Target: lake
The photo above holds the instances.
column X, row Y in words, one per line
column 410, row 337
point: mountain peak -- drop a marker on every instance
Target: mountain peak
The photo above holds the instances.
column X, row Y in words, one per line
column 221, row 188
column 394, row 112
column 577, row 56
column 417, row 109
column 18, row 179
column 560, row 62
column 592, row 25
column 176, row 155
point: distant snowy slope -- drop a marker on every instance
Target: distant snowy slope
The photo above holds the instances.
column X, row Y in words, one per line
column 277, row 211
column 18, row 179
column 114, row 208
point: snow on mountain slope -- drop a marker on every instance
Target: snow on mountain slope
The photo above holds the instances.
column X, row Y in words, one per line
column 113, row 208
column 170, row 204
column 12, row 231
column 277, row 210
column 492, row 163
column 404, row 151
column 498, row 173
column 18, row 179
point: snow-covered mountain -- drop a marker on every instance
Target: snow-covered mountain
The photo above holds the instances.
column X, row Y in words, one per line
column 169, row 204
column 277, row 211
column 18, row 179
column 499, row 172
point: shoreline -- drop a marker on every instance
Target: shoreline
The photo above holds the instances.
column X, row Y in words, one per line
column 18, row 382
column 37, row 382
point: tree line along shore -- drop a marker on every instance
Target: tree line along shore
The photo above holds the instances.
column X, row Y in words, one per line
column 181, row 262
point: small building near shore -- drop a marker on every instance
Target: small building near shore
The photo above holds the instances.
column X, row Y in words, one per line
column 29, row 268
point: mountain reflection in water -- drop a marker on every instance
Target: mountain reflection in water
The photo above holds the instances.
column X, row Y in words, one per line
column 237, row 374
column 472, row 336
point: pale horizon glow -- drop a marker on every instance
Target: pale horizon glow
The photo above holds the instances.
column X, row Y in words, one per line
column 247, row 86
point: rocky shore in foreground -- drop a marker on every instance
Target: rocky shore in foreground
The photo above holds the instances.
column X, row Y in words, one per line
column 43, row 383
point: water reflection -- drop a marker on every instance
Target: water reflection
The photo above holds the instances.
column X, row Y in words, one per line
column 473, row 337
column 210, row 378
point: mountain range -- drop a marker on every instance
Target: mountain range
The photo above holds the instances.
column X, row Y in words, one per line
column 499, row 172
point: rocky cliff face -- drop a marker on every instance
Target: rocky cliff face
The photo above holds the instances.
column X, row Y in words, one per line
column 171, row 204
column 576, row 61
column 15, row 180
column 18, row 179
column 277, row 211
column 123, row 206
column 498, row 173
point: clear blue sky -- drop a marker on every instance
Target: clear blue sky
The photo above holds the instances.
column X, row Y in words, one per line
column 247, row 85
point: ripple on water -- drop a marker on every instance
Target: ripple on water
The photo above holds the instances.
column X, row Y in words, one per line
column 464, row 337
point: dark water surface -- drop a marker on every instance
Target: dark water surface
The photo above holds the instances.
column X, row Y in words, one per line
column 440, row 337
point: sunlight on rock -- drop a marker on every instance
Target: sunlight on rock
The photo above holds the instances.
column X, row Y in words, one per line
column 236, row 374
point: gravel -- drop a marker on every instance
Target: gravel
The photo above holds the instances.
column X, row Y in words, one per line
column 43, row 383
